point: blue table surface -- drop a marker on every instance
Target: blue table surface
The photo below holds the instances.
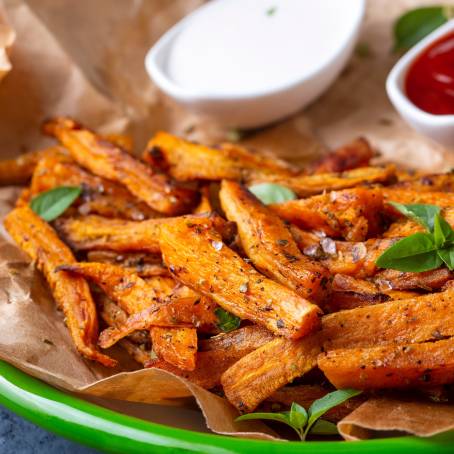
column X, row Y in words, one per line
column 18, row 436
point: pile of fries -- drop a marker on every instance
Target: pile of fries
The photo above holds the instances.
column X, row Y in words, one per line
column 191, row 273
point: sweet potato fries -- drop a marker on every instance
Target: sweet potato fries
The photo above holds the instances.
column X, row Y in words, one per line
column 189, row 272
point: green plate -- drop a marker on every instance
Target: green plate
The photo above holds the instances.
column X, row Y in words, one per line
column 114, row 432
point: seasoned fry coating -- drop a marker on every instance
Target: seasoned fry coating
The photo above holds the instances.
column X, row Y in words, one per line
column 145, row 265
column 219, row 354
column 197, row 257
column 391, row 366
column 442, row 199
column 443, row 182
column 352, row 214
column 177, row 346
column 351, row 156
column 99, row 196
column 269, row 244
column 189, row 161
column 109, row 161
column 308, row 185
column 71, row 293
column 19, row 170
column 426, row 280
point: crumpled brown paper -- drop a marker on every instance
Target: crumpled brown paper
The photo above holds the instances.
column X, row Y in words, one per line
column 85, row 59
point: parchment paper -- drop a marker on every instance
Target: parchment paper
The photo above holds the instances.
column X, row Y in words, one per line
column 85, row 59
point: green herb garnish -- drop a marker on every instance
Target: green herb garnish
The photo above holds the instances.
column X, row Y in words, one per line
column 304, row 422
column 269, row 193
column 417, row 23
column 271, row 11
column 51, row 204
column 422, row 251
column 226, row 321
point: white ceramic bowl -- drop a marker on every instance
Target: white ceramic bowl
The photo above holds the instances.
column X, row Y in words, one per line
column 438, row 127
column 264, row 106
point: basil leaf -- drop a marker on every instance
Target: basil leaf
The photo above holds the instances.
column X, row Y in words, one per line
column 442, row 231
column 323, row 427
column 414, row 25
column 51, row 204
column 422, row 214
column 447, row 255
column 322, row 405
column 269, row 193
column 298, row 416
column 415, row 253
column 280, row 417
column 226, row 321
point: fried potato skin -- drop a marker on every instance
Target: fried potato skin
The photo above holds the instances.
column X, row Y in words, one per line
column 187, row 161
column 309, row 185
column 353, row 214
column 218, row 354
column 71, row 293
column 347, row 157
column 109, row 161
column 269, row 244
column 177, row 346
column 196, row 256
column 391, row 366
column 99, row 196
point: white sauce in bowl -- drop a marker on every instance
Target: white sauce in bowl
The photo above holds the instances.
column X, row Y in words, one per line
column 243, row 47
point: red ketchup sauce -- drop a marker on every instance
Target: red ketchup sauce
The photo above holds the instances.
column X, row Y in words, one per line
column 429, row 82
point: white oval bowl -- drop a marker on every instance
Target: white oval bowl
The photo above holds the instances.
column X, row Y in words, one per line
column 261, row 107
column 438, row 127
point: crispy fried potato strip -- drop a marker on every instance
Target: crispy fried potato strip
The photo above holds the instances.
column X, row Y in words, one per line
column 441, row 199
column 443, row 182
column 257, row 375
column 426, row 280
column 197, row 257
column 110, row 161
column 71, row 293
column 269, row 244
column 391, row 366
column 177, row 346
column 347, row 157
column 99, row 196
column 218, row 354
column 19, row 170
column 308, row 185
column 352, row 214
column 189, row 161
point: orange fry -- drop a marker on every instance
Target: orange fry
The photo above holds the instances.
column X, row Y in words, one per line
column 269, row 244
column 197, row 257
column 107, row 160
column 71, row 293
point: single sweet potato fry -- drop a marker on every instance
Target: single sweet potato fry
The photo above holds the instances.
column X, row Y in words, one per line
column 269, row 244
column 352, row 214
column 177, row 346
column 218, row 354
column 350, row 156
column 390, row 366
column 197, row 257
column 257, row 375
column 99, row 196
column 442, row 199
column 110, row 161
column 443, row 182
column 308, row 185
column 71, row 293
column 189, row 161
column 427, row 280
column 19, row 170
column 141, row 355
column 204, row 205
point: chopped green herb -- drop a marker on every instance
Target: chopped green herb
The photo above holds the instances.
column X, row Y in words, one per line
column 226, row 321
column 51, row 204
column 304, row 422
column 271, row 11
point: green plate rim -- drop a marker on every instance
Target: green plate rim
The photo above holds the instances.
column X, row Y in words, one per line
column 95, row 426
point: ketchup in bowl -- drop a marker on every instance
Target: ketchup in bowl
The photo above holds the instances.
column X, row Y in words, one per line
column 429, row 82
